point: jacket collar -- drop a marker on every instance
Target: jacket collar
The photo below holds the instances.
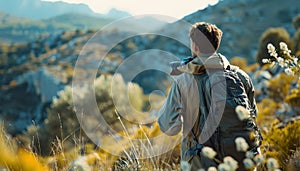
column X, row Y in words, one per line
column 199, row 64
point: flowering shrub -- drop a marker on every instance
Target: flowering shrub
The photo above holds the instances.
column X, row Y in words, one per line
column 275, row 36
column 291, row 65
column 283, row 58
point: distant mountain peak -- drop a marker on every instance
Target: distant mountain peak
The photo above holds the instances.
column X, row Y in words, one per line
column 116, row 13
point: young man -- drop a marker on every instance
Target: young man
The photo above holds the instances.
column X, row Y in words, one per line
column 196, row 106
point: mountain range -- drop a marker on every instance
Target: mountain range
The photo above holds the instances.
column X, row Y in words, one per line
column 26, row 20
column 38, row 9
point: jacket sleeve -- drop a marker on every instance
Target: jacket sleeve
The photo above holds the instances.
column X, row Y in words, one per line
column 251, row 97
column 169, row 120
column 249, row 87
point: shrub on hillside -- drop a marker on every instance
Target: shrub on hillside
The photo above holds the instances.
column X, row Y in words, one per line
column 297, row 42
column 280, row 87
column 62, row 126
column 242, row 63
column 296, row 22
column 281, row 143
column 274, row 36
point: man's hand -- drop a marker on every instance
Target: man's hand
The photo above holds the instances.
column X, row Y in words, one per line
column 174, row 66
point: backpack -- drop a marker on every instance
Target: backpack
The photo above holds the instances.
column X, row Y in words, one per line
column 225, row 93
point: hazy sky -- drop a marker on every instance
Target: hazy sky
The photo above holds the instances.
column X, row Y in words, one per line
column 173, row 8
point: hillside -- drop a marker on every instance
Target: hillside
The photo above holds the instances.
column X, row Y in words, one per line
column 243, row 22
column 44, row 108
column 55, row 43
column 79, row 21
column 7, row 18
column 243, row 26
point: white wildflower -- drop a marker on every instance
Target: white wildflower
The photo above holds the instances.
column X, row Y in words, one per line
column 233, row 164
column 272, row 164
column 271, row 48
column 283, row 46
column 249, row 154
column 295, row 60
column 280, row 61
column 212, row 169
column 241, row 144
column 288, row 71
column 223, row 167
column 185, row 166
column 208, row 152
column 258, row 159
column 242, row 112
column 248, row 163
column 265, row 61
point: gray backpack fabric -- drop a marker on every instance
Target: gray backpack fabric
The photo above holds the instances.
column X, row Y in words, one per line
column 224, row 91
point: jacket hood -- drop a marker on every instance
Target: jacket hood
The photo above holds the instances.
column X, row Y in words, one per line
column 199, row 64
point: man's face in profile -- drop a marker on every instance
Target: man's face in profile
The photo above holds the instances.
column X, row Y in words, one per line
column 194, row 48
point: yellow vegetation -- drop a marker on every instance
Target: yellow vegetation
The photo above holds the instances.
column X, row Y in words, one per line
column 17, row 159
column 280, row 87
column 281, row 143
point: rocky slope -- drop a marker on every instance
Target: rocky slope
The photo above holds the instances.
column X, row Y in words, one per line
column 243, row 22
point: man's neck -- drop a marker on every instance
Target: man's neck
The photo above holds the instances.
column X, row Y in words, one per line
column 206, row 55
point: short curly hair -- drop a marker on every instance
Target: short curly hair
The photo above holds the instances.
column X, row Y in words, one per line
column 206, row 36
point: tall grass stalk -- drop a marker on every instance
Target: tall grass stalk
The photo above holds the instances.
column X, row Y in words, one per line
column 136, row 157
